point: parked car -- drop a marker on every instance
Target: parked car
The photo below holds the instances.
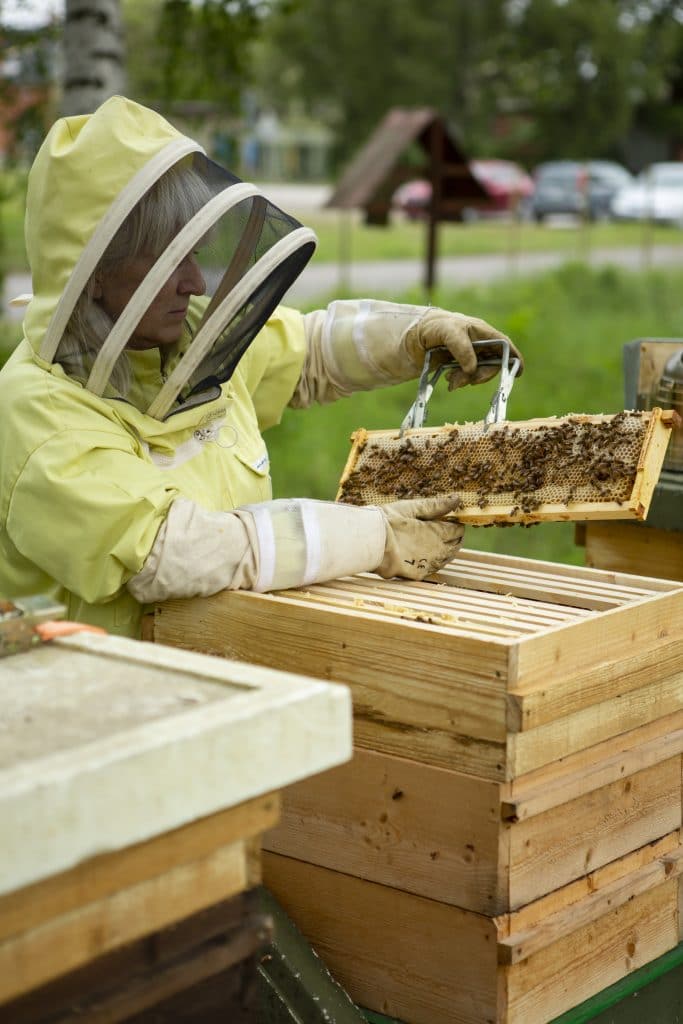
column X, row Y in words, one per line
column 578, row 187
column 656, row 194
column 505, row 182
column 413, row 198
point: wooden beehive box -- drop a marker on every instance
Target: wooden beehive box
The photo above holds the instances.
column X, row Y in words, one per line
column 135, row 784
column 628, row 547
column 515, row 795
column 496, row 667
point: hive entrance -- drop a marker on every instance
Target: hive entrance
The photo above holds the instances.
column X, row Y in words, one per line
column 575, row 467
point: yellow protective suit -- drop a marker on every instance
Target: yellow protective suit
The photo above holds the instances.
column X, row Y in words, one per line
column 85, row 482
column 105, row 506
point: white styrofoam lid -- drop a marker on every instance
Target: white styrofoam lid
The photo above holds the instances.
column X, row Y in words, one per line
column 106, row 742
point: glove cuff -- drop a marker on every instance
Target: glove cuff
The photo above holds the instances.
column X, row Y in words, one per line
column 302, row 541
column 360, row 343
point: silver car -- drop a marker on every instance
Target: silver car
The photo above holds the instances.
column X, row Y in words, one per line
column 656, row 195
column 582, row 187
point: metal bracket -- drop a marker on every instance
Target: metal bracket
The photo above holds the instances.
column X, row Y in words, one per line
column 18, row 621
column 417, row 413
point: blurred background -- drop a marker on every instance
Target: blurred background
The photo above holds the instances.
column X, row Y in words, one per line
column 521, row 160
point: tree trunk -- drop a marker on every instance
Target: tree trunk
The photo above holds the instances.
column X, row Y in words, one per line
column 93, row 54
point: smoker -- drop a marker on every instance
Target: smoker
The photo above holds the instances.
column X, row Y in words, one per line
column 653, row 376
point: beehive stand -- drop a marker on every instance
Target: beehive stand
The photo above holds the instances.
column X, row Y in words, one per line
column 569, row 468
column 506, row 841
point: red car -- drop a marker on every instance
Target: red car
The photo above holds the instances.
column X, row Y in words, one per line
column 506, row 183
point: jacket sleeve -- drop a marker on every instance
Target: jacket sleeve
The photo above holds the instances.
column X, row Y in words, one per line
column 272, row 364
column 86, row 510
column 273, row 545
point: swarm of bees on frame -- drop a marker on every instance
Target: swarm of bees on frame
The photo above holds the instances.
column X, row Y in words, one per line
column 571, row 459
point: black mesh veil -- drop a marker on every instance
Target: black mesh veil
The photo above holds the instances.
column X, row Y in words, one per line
column 219, row 365
column 196, row 270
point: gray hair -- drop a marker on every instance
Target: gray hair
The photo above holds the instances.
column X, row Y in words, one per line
column 149, row 228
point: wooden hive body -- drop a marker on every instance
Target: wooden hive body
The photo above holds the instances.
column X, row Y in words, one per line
column 515, row 795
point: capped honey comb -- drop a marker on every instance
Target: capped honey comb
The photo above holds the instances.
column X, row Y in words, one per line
column 575, row 467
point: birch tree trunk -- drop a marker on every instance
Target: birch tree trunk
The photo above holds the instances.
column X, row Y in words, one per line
column 93, row 54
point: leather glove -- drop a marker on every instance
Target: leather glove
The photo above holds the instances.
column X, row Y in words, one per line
column 418, row 541
column 456, row 332
column 360, row 344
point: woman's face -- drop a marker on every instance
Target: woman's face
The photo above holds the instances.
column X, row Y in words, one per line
column 162, row 324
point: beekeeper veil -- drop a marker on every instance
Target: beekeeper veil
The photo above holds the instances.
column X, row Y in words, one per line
column 246, row 253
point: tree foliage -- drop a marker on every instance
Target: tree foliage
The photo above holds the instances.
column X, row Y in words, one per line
column 584, row 68
column 530, row 78
column 352, row 61
column 192, row 51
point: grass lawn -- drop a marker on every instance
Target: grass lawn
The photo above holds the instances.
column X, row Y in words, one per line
column 344, row 234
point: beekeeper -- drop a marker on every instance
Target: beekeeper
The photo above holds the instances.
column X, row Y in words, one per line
column 132, row 464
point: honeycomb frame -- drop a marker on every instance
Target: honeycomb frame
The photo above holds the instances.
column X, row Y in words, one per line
column 569, row 468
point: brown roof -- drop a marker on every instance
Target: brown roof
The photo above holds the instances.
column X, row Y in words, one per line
column 377, row 165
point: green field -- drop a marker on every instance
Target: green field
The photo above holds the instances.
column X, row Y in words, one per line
column 344, row 235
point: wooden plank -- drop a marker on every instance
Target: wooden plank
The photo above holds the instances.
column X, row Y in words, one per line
column 525, row 588
column 399, row 700
column 519, row 945
column 136, row 997
column 534, row 793
column 424, row 961
column 411, row 826
column 229, row 963
column 606, row 824
column 137, row 966
column 530, row 750
column 635, row 549
column 579, row 647
column 636, row 668
column 559, row 902
column 398, row 954
column 591, row 958
column 102, row 876
column 444, row 591
column 527, row 582
column 476, row 621
column 446, row 600
column 76, row 937
column 591, row 576
column 583, row 762
column 441, row 834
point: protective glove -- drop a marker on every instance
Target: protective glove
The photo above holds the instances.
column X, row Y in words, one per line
column 418, row 541
column 456, row 332
column 272, row 545
column 291, row 543
column 360, row 344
